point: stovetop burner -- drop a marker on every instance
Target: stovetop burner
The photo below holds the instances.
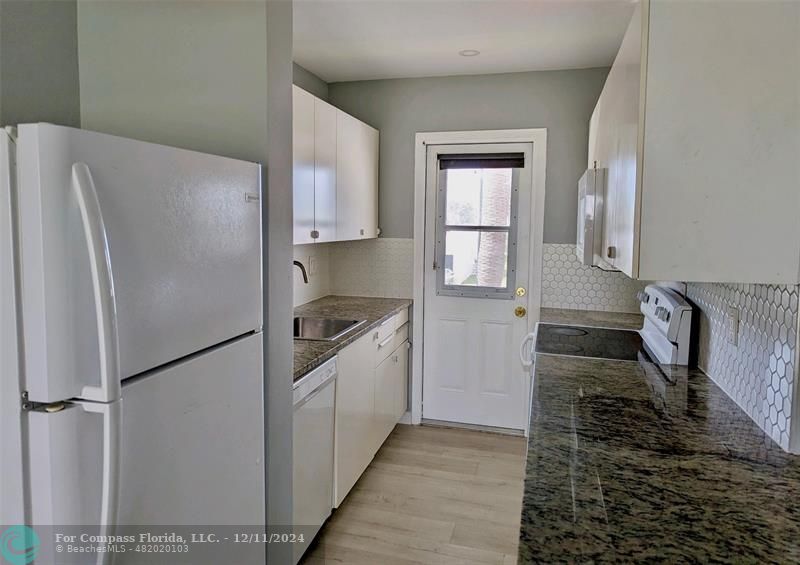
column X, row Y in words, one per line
column 567, row 330
column 601, row 343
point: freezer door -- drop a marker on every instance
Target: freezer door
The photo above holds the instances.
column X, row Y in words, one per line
column 193, row 441
column 133, row 255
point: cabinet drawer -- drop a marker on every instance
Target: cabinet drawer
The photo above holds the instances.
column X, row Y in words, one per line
column 388, row 344
column 385, row 329
column 401, row 318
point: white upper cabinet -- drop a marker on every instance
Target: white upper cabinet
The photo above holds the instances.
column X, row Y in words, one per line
column 356, row 179
column 303, row 164
column 324, row 171
column 699, row 127
column 335, row 173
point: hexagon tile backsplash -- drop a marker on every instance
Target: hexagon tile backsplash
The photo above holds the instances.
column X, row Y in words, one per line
column 760, row 372
column 566, row 283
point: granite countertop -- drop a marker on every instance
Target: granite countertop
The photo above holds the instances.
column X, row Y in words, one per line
column 618, row 320
column 311, row 354
column 632, row 462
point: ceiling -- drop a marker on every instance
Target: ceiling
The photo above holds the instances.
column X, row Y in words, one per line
column 343, row 40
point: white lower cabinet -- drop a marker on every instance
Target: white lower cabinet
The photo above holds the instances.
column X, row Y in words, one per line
column 354, row 437
column 390, row 384
column 371, row 397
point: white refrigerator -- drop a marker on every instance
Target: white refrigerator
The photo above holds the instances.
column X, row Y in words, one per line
column 132, row 350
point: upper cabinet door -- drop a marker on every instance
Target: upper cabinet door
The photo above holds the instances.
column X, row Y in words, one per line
column 303, row 164
column 324, row 171
column 698, row 127
column 616, row 144
column 356, row 179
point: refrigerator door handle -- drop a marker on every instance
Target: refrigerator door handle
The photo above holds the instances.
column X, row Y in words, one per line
column 112, row 434
column 102, row 285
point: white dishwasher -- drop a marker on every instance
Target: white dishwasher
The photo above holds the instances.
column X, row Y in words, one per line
column 312, row 489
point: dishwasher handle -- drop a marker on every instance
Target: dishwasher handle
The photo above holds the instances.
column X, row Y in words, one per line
column 310, row 396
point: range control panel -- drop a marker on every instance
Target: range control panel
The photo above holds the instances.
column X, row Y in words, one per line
column 666, row 310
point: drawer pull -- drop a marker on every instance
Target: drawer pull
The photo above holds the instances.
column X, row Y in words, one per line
column 385, row 341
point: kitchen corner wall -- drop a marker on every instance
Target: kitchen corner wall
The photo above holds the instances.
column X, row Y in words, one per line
column 760, row 372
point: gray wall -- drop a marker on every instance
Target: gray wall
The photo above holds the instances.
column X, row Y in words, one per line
column 307, row 80
column 561, row 101
column 278, row 273
column 39, row 62
column 216, row 77
column 189, row 74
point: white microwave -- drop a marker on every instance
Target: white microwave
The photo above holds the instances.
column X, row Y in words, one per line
column 591, row 191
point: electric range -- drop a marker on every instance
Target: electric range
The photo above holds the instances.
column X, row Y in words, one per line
column 663, row 339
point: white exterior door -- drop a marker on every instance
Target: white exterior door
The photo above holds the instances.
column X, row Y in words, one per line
column 477, row 253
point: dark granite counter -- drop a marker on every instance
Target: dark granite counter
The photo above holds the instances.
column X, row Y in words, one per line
column 311, row 354
column 618, row 320
column 629, row 464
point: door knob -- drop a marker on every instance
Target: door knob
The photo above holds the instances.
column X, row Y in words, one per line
column 520, row 311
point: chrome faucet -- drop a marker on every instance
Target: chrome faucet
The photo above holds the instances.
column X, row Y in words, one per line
column 302, row 270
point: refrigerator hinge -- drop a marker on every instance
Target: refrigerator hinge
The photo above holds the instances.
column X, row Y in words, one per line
column 29, row 406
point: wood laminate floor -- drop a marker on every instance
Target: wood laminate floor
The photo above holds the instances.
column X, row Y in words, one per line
column 432, row 495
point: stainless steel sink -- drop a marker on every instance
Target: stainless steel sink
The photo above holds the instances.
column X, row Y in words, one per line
column 323, row 329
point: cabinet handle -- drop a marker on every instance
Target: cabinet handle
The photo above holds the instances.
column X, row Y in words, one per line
column 314, row 234
column 385, row 341
column 611, row 252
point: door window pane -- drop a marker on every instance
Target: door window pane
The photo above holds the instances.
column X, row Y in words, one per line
column 476, row 258
column 478, row 197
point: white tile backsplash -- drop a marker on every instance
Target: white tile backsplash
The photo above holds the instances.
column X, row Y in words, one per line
column 760, row 371
column 382, row 267
column 566, row 283
column 319, row 281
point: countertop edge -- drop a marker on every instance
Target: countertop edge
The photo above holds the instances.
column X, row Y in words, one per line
column 336, row 346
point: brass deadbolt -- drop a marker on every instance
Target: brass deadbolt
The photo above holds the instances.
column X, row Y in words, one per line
column 521, row 291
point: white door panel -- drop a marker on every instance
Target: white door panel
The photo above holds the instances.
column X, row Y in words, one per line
column 183, row 241
column 450, row 336
column 471, row 372
column 193, row 441
column 495, row 368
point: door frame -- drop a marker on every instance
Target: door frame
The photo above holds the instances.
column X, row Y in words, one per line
column 536, row 136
